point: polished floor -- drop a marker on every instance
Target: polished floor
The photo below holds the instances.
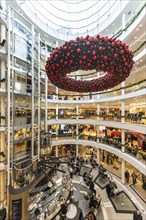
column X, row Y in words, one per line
column 116, row 208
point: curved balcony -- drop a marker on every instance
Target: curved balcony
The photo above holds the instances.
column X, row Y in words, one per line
column 118, row 125
column 135, row 90
column 138, row 160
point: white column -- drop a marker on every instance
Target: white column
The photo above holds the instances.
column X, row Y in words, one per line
column 46, row 96
column 98, row 111
column 123, row 110
column 3, row 4
column 2, row 146
column 56, row 151
column 57, row 132
column 97, row 132
column 3, row 32
column 3, row 86
column 56, row 44
column 98, row 106
column 39, row 98
column 123, row 121
column 2, row 185
column 77, row 132
column 57, row 92
column 77, row 150
column 123, row 171
column 8, row 101
column 77, row 111
column 123, row 21
column 8, row 111
column 123, row 85
column 123, row 140
column 56, row 111
column 32, row 93
column 98, row 156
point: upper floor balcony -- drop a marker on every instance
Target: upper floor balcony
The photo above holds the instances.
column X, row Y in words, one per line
column 135, row 157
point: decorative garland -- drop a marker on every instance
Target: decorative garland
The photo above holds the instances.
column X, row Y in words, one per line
column 100, row 53
column 131, row 22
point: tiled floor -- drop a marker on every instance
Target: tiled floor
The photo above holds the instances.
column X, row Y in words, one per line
column 107, row 211
column 122, row 202
column 80, row 189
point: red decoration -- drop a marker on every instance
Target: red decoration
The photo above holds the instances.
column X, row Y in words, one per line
column 101, row 53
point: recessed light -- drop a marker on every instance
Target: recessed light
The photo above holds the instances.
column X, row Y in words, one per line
column 113, row 24
column 140, row 60
column 137, row 29
column 140, row 25
column 135, row 37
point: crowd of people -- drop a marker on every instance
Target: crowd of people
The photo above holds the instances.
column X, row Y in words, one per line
column 92, row 198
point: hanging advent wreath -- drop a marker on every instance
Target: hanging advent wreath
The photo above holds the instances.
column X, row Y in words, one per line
column 100, row 53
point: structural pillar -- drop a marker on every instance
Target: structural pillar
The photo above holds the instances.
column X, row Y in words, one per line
column 123, row 171
column 56, row 151
column 3, row 105
column 2, row 186
column 98, row 156
column 56, row 111
column 77, row 150
column 46, row 96
column 123, row 133
column 57, row 132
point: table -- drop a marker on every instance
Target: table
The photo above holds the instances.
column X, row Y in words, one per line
column 71, row 211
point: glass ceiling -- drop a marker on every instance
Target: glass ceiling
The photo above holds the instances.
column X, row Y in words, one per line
column 74, row 16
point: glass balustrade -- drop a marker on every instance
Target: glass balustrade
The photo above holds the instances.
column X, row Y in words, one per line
column 136, row 118
column 134, row 152
column 110, row 93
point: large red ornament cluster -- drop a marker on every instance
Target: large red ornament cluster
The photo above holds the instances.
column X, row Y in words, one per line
column 100, row 53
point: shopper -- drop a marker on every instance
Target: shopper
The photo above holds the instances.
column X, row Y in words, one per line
column 81, row 217
column 71, row 172
column 144, row 145
column 137, row 215
column 98, row 201
column 63, row 210
column 134, row 177
column 108, row 189
column 127, row 175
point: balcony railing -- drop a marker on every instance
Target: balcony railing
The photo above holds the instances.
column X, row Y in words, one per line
column 110, row 93
column 130, row 118
column 133, row 151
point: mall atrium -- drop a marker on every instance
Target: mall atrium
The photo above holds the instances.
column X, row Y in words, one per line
column 73, row 109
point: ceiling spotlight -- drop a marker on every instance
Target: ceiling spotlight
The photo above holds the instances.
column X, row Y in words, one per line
column 135, row 37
